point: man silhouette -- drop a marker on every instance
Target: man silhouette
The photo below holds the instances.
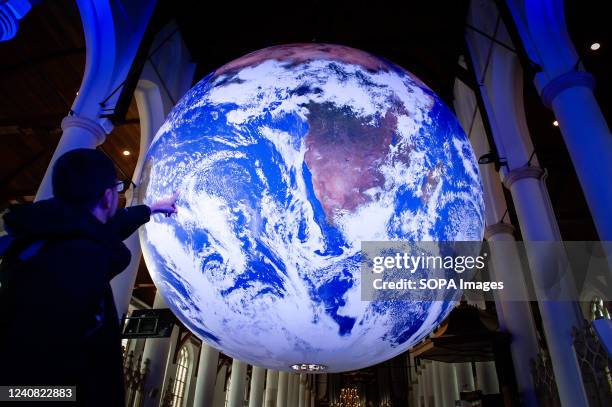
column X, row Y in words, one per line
column 58, row 321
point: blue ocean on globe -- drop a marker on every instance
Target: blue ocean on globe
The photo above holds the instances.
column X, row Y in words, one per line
column 287, row 159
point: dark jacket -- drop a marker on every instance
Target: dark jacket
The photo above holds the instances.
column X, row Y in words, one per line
column 58, row 321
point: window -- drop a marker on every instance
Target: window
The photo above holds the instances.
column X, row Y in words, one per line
column 182, row 368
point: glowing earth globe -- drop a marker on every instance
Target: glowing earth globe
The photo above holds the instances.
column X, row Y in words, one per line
column 287, row 159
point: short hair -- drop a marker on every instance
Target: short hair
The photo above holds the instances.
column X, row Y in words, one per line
column 81, row 176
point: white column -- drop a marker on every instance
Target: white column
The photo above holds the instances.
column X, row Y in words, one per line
column 302, row 390
column 206, row 377
column 77, row 132
column 558, row 317
column 296, row 393
column 487, row 377
column 219, row 397
column 313, row 390
column 422, row 388
column 571, row 97
column 175, row 69
column 424, row 385
column 415, row 389
column 289, row 389
column 465, row 378
column 108, row 60
column 258, row 376
column 514, row 311
column 437, row 384
column 431, row 389
column 151, row 115
column 237, row 384
column 448, row 380
column 11, row 11
column 271, row 388
column 503, row 86
column 283, row 378
column 306, row 396
column 159, row 352
column 569, row 92
column 322, row 387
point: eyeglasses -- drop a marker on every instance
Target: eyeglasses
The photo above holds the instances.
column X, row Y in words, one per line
column 123, row 185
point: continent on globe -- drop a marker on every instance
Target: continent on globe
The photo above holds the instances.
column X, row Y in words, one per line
column 343, row 153
column 286, row 160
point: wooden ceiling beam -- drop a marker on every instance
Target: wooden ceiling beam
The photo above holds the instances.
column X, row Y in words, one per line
column 41, row 59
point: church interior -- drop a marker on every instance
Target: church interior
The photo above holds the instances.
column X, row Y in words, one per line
column 529, row 82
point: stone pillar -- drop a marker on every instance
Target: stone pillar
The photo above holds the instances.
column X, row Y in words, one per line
column 11, row 11
column 430, row 400
column 307, row 396
column 289, row 389
column 159, row 353
column 537, row 224
column 77, row 132
column 448, row 380
column 416, row 390
column 522, row 175
column 514, row 314
column 112, row 38
column 283, row 379
column 271, row 388
column 465, row 378
column 322, row 385
column 302, row 390
column 437, row 384
column 206, row 376
column 424, row 385
column 151, row 114
column 486, row 377
column 170, row 369
column 570, row 95
column 310, row 390
column 258, row 376
column 568, row 91
column 237, row 384
column 219, row 397
column 173, row 74
column 295, row 397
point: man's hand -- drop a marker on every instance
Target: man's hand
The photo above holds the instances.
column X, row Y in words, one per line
column 166, row 206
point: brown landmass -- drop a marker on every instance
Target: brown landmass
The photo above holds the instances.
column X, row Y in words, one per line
column 299, row 53
column 344, row 154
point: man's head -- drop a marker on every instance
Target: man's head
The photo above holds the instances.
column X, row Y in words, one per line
column 86, row 178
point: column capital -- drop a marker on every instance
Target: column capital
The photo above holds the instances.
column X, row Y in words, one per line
column 497, row 228
column 85, row 123
column 523, row 172
column 11, row 12
column 8, row 23
column 567, row 80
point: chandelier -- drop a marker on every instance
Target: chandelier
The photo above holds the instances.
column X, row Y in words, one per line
column 349, row 397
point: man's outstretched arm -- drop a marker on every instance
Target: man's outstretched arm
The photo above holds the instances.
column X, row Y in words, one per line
column 127, row 220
